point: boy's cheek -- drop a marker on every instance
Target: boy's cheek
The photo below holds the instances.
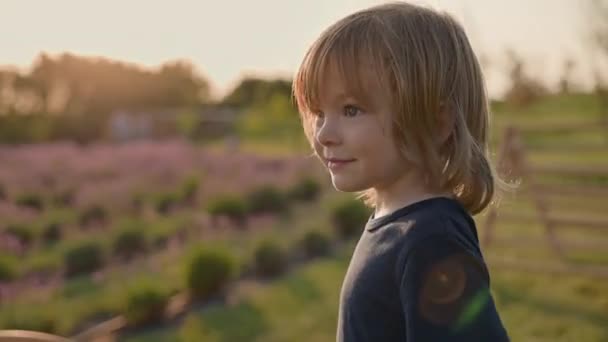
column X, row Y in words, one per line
column 318, row 151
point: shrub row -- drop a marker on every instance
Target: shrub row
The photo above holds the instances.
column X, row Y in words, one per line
column 28, row 234
column 264, row 199
column 210, row 270
column 96, row 214
column 130, row 239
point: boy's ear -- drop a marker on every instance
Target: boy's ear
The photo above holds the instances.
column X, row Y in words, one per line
column 446, row 122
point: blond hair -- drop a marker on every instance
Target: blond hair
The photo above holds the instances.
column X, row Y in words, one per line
column 424, row 64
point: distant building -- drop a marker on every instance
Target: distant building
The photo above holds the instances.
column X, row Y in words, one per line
column 126, row 126
column 211, row 122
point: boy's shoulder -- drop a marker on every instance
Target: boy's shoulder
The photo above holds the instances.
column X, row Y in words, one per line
column 432, row 233
column 428, row 218
column 435, row 221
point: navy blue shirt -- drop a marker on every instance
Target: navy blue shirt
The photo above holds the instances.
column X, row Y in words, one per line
column 418, row 274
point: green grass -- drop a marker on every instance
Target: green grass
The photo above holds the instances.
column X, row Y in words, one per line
column 555, row 110
column 585, row 157
column 558, row 109
column 536, row 307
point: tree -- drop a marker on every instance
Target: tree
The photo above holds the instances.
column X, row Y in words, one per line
column 565, row 83
column 599, row 38
column 524, row 89
column 599, row 24
column 75, row 84
column 254, row 91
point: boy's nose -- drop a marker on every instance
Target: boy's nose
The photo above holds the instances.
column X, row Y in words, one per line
column 328, row 134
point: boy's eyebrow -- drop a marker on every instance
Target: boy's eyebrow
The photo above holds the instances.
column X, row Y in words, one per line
column 340, row 99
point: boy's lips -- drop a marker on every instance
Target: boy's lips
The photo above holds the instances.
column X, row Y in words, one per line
column 336, row 163
column 339, row 160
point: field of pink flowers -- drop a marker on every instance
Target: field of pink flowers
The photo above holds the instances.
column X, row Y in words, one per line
column 111, row 174
column 58, row 184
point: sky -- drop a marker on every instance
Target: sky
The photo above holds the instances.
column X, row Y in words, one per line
column 228, row 40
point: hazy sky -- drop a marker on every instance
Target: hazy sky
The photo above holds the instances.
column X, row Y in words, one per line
column 227, row 39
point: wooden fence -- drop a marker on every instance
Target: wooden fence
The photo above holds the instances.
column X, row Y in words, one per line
column 586, row 181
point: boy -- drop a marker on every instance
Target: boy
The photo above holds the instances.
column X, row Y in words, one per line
column 393, row 102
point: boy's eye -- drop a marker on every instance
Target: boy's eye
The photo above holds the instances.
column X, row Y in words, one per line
column 350, row 110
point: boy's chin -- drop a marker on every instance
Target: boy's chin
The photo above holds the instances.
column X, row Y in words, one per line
column 344, row 186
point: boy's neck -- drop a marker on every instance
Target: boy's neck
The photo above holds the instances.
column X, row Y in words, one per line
column 402, row 193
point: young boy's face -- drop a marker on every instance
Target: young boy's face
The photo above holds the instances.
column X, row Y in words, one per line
column 360, row 138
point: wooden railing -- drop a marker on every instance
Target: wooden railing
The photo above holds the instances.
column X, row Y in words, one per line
column 514, row 163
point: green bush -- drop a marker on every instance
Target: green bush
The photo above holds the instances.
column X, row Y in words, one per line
column 145, row 304
column 165, row 202
column 51, row 232
column 84, row 257
column 79, row 287
column 187, row 123
column 30, row 200
column 267, row 199
column 209, row 272
column 40, row 264
column 307, row 189
column 137, row 201
column 22, row 232
column 230, row 206
column 315, row 243
column 188, row 190
column 31, row 320
column 93, row 214
column 270, row 259
column 161, row 231
column 349, row 217
column 272, row 120
column 64, row 198
column 192, row 329
column 8, row 268
column 159, row 239
column 129, row 242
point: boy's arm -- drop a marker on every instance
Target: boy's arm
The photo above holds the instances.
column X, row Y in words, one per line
column 444, row 291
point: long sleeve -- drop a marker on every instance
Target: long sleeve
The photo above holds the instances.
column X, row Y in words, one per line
column 445, row 295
